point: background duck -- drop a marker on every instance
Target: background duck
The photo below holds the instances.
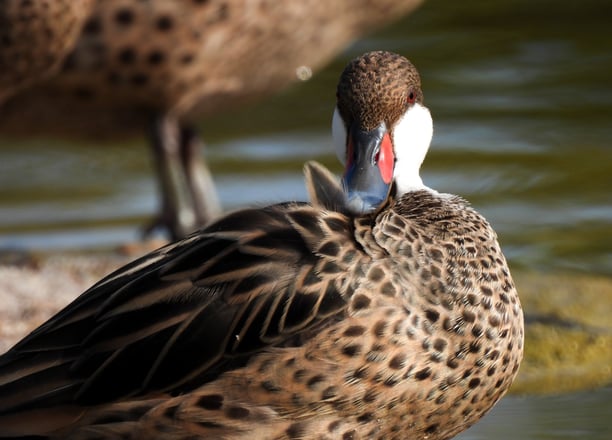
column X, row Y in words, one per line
column 392, row 315
column 164, row 65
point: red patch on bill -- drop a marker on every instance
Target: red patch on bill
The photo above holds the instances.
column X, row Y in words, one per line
column 386, row 159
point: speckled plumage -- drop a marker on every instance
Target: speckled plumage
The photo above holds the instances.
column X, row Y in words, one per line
column 35, row 37
column 165, row 64
column 295, row 321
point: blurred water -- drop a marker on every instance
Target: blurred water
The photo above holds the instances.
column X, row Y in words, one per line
column 521, row 97
column 584, row 416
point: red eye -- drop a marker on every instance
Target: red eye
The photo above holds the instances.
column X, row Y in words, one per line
column 411, row 98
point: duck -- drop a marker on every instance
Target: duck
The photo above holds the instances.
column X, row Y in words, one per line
column 381, row 309
column 160, row 67
column 35, row 38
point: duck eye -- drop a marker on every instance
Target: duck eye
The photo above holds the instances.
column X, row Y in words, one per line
column 411, row 98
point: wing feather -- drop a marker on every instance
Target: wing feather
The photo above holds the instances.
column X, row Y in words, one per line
column 183, row 314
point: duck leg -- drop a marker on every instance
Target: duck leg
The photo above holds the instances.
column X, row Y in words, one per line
column 188, row 198
column 199, row 179
column 177, row 214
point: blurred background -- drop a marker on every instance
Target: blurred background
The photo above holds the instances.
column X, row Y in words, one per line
column 521, row 96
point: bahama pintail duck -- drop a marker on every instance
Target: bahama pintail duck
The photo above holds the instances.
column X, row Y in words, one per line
column 381, row 310
column 35, row 38
column 164, row 65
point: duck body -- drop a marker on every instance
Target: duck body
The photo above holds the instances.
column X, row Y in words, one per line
column 381, row 310
column 402, row 321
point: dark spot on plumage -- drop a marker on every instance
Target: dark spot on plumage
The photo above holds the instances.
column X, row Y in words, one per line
column 210, row 402
column 379, row 328
column 425, row 274
column 439, row 344
column 187, row 58
column 361, row 372
column 329, row 248
column 469, row 316
column 237, row 412
column 330, row 267
column 447, row 324
column 431, row 429
column 474, row 347
column 296, row 430
column 398, row 361
column 314, row 381
column 354, row 330
column 436, row 271
column 209, row 425
column 426, row 344
column 299, row 375
column 486, row 303
column 124, row 16
column 336, row 225
column 452, row 363
column 349, row 435
column 156, row 57
column 474, row 383
column 423, row 374
column 365, row 417
column 376, row 274
column 329, row 393
column 494, row 320
column 370, row 396
column 127, row 56
column 360, row 302
column 92, row 26
column 432, row 315
column 306, row 219
column 388, row 289
column 348, row 257
column 486, row 291
column 351, row 350
column 164, row 23
column 270, row 386
column 333, row 426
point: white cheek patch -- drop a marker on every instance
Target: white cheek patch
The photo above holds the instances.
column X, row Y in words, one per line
column 411, row 137
column 339, row 136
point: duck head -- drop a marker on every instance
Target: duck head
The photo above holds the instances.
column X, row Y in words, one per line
column 381, row 129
